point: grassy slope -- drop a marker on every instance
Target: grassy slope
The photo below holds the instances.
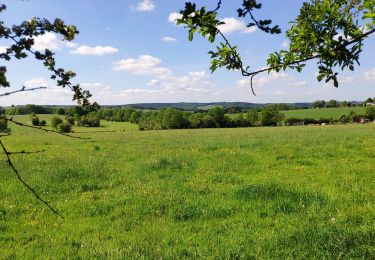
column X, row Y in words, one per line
column 260, row 192
column 335, row 113
column 314, row 113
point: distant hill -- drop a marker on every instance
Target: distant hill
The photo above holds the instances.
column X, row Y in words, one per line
column 204, row 106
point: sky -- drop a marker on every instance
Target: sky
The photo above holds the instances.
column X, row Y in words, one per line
column 132, row 51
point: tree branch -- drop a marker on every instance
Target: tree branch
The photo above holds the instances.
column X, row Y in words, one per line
column 10, row 163
column 24, row 152
column 23, row 89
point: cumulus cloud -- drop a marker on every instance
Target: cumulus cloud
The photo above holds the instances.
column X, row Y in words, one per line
column 173, row 17
column 94, row 51
column 232, row 24
column 144, row 6
column 143, row 65
column 168, row 39
column 3, row 49
column 192, row 82
column 370, row 75
column 265, row 80
column 48, row 40
column 153, row 82
column 71, row 44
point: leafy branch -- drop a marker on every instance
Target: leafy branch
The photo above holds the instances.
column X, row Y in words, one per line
column 326, row 30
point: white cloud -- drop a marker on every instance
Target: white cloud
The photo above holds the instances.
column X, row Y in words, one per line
column 46, row 41
column 153, row 82
column 173, row 17
column 193, row 82
column 234, row 25
column 261, row 81
column 169, row 39
column 36, row 82
column 71, row 44
column 3, row 49
column 94, row 51
column 143, row 65
column 370, row 75
column 144, row 6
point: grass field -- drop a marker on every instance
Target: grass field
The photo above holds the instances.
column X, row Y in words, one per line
column 301, row 192
column 314, row 113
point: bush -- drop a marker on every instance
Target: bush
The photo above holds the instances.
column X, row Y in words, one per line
column 310, row 121
column 344, row 119
column 355, row 118
column 55, row 121
column 70, row 120
column 43, row 123
column 64, row 127
column 4, row 126
column 90, row 120
column 35, row 121
column 370, row 113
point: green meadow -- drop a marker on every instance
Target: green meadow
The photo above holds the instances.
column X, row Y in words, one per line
column 314, row 113
column 333, row 112
column 251, row 193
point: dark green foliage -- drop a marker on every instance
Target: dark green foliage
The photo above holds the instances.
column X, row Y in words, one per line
column 270, row 118
column 344, row 119
column 43, row 123
column 90, row 120
column 252, row 117
column 60, row 111
column 217, row 114
column 319, row 104
column 64, row 127
column 370, row 113
column 35, row 121
column 70, row 120
column 28, row 109
column 332, row 103
column 4, row 126
column 55, row 121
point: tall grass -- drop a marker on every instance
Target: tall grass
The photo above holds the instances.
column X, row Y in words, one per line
column 305, row 192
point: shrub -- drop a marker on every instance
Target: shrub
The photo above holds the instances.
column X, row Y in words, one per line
column 343, row 119
column 292, row 120
column 64, row 127
column 370, row 113
column 35, row 121
column 43, row 123
column 4, row 126
column 355, row 118
column 55, row 121
column 310, row 121
column 90, row 120
column 70, row 120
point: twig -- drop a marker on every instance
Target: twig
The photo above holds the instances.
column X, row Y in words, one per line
column 42, row 129
column 24, row 152
column 23, row 89
column 9, row 161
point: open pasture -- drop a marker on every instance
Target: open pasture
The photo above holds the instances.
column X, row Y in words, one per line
column 314, row 113
column 301, row 192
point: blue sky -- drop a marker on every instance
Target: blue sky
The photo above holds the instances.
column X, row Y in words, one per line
column 131, row 51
